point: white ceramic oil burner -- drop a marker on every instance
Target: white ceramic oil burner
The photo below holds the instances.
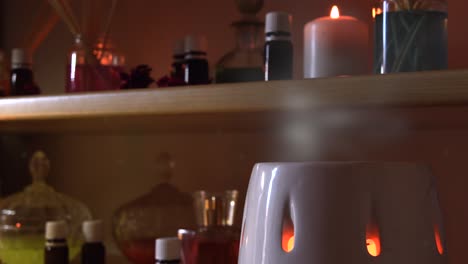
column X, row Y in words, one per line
column 342, row 213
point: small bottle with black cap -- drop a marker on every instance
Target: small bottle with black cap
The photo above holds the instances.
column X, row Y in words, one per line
column 278, row 47
column 167, row 250
column 56, row 248
column 196, row 69
column 93, row 250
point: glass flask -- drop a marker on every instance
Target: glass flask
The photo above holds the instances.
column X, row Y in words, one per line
column 410, row 35
column 159, row 213
column 23, row 217
column 217, row 238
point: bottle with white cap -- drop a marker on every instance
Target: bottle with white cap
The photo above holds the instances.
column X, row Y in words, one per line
column 56, row 248
column 93, row 250
column 278, row 47
column 22, row 77
column 167, row 250
column 196, row 70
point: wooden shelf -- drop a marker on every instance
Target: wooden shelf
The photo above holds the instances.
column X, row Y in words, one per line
column 241, row 106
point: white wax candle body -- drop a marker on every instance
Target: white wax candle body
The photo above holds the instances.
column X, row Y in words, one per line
column 334, row 47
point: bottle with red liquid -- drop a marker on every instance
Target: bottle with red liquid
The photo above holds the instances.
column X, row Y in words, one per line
column 217, row 238
column 158, row 213
column 92, row 69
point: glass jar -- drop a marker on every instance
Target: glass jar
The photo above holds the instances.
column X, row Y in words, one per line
column 410, row 35
column 217, row 238
column 245, row 62
column 159, row 213
column 23, row 217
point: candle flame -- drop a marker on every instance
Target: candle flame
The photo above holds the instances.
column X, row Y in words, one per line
column 335, row 12
column 440, row 248
column 372, row 247
column 290, row 244
column 373, row 240
column 376, row 11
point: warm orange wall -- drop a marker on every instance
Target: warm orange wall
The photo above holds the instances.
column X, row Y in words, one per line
column 146, row 29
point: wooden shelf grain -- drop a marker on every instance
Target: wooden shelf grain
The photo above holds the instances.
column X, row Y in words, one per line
column 238, row 106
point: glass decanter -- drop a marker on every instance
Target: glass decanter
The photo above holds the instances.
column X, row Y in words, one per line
column 245, row 62
column 159, row 213
column 23, row 217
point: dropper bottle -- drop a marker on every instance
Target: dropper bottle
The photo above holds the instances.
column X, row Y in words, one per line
column 56, row 248
column 93, row 250
column 278, row 47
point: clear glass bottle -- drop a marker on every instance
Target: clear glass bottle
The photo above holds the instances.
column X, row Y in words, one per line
column 217, row 238
column 159, row 213
column 410, row 35
column 245, row 62
column 23, row 217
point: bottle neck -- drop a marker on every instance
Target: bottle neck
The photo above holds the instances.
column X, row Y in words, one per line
column 278, row 36
column 167, row 261
column 248, row 36
column 193, row 55
column 25, row 66
column 55, row 243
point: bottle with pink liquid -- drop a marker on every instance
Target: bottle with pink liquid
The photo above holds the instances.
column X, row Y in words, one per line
column 93, row 69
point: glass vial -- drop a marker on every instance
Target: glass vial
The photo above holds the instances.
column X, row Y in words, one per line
column 22, row 77
column 410, row 35
column 93, row 250
column 278, row 47
column 196, row 70
column 167, row 250
column 56, row 248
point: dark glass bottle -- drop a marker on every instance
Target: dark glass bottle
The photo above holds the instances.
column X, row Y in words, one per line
column 93, row 250
column 177, row 71
column 22, row 78
column 56, row 248
column 196, row 69
column 278, row 47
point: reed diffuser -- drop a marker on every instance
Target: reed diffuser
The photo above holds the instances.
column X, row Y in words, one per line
column 93, row 64
column 410, row 35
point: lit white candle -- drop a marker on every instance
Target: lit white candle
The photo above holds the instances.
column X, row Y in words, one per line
column 336, row 45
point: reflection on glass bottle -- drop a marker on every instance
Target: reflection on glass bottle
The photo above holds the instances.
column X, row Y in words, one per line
column 245, row 62
column 23, row 217
column 159, row 213
column 217, row 238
